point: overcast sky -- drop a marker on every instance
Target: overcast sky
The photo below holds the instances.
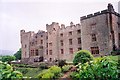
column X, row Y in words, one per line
column 33, row 15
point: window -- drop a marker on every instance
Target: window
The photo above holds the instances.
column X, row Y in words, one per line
column 118, row 23
column 79, row 31
column 79, row 40
column 46, row 37
column 50, row 51
column 119, row 36
column 70, row 33
column 71, row 50
column 61, row 35
column 40, row 47
column 54, row 29
column 36, row 36
column 41, row 35
column 41, row 41
column 36, row 52
column 93, row 37
column 70, row 41
column 30, row 52
column 79, row 48
column 62, row 51
column 33, row 52
column 25, row 45
column 46, row 51
column 50, row 44
column 32, row 43
column 47, row 45
column 61, row 42
column 94, row 50
column 50, row 59
column 50, row 33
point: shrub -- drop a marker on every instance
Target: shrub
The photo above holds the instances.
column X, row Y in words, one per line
column 48, row 75
column 23, row 70
column 73, row 75
column 65, row 68
column 55, row 69
column 41, row 74
column 52, row 72
column 82, row 56
column 101, row 68
column 6, row 71
column 61, row 63
column 43, row 66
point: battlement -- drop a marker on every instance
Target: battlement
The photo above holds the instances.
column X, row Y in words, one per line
column 40, row 32
column 94, row 14
column 97, row 14
column 62, row 26
column 71, row 26
column 53, row 23
column 109, row 10
column 22, row 31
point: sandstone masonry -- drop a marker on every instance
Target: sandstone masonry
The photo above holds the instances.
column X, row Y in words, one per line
column 98, row 33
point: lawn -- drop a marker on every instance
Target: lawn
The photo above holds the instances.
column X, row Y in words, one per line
column 29, row 72
column 33, row 72
column 116, row 58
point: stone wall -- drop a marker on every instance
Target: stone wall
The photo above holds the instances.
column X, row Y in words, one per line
column 55, row 43
column 95, row 25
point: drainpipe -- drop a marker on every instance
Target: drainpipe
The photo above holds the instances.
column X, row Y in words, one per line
column 111, row 10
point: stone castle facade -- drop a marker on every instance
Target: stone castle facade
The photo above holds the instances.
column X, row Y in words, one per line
column 99, row 33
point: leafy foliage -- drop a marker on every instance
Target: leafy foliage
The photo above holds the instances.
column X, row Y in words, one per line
column 73, row 75
column 101, row 68
column 82, row 56
column 52, row 72
column 61, row 63
column 48, row 75
column 55, row 69
column 43, row 66
column 65, row 68
column 41, row 74
column 8, row 58
column 23, row 70
column 6, row 71
column 18, row 54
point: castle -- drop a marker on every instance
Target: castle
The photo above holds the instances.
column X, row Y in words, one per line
column 99, row 33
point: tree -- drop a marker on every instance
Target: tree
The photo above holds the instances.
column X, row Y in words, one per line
column 82, row 56
column 18, row 54
column 8, row 58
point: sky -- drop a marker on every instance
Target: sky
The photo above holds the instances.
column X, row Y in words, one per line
column 33, row 15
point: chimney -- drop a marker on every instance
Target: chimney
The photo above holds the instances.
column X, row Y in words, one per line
column 110, row 8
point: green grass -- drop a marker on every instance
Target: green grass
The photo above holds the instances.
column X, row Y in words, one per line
column 30, row 72
column 116, row 58
column 33, row 72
